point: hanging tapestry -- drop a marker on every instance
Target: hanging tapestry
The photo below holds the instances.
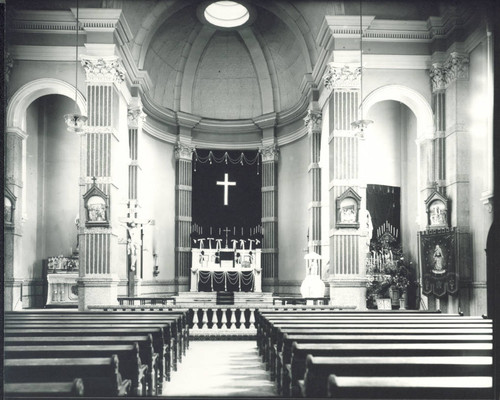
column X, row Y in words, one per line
column 384, row 205
column 227, row 198
column 437, row 257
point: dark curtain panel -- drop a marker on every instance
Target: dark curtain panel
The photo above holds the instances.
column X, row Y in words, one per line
column 384, row 204
column 242, row 214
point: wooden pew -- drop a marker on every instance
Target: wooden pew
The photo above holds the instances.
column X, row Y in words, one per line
column 100, row 375
column 45, row 389
column 160, row 346
column 274, row 347
column 170, row 352
column 295, row 371
column 128, row 356
column 179, row 327
column 414, row 387
column 318, row 369
column 145, row 343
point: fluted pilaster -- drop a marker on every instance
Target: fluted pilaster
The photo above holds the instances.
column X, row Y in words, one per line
column 313, row 124
column 347, row 245
column 270, row 156
column 99, row 165
column 183, row 211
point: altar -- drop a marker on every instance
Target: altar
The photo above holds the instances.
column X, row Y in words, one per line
column 226, row 270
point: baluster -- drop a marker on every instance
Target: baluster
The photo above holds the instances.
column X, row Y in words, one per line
column 252, row 318
column 204, row 317
column 232, row 318
column 223, row 319
column 195, row 319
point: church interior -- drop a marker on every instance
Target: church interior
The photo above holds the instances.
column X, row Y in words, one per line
column 192, row 185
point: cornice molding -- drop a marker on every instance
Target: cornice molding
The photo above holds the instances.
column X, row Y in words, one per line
column 43, row 21
column 158, row 133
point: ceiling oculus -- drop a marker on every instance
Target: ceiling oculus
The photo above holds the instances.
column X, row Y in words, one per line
column 226, row 14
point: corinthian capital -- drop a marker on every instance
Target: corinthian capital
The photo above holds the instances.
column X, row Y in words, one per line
column 313, row 120
column 135, row 113
column 456, row 67
column 103, row 69
column 342, row 75
column 183, row 151
column 269, row 153
column 438, row 76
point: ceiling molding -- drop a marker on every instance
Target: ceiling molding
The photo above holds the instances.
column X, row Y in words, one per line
column 44, row 53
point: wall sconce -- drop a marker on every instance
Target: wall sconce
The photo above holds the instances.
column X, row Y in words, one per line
column 156, row 270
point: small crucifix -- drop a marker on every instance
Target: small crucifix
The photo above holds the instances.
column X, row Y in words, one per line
column 226, row 183
column 227, row 230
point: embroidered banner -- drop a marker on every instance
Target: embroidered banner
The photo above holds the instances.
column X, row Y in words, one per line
column 437, row 258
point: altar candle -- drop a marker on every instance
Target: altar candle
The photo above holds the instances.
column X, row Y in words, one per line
column 219, row 231
column 241, row 231
column 234, row 231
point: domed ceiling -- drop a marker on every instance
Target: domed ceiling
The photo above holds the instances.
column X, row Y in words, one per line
column 226, row 74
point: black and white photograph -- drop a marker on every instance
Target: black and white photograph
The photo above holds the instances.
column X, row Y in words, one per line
column 250, row 199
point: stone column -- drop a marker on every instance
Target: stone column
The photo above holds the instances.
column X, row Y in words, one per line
column 13, row 279
column 269, row 217
column 100, row 157
column 183, row 213
column 313, row 125
column 347, row 245
column 135, row 119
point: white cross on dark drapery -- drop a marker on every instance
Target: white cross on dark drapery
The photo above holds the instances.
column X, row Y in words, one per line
column 226, row 183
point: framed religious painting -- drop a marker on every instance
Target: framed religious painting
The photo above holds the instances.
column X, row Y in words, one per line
column 436, row 207
column 96, row 207
column 348, row 204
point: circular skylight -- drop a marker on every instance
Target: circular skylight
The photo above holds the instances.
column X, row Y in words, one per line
column 226, row 14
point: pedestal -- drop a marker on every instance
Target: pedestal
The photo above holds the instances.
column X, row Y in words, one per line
column 97, row 290
column 348, row 291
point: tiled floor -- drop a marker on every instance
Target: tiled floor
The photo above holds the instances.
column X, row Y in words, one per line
column 221, row 368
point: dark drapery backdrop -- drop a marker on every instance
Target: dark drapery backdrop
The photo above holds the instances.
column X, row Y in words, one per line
column 242, row 216
column 384, row 204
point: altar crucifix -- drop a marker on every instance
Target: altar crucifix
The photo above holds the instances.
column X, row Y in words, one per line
column 227, row 230
column 134, row 226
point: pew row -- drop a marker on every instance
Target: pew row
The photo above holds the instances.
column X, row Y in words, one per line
column 100, row 375
column 31, row 390
column 318, row 369
column 410, row 387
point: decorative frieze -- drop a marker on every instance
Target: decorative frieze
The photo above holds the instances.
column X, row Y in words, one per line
column 312, row 120
column 342, row 76
column 269, row 153
column 183, row 151
column 103, row 69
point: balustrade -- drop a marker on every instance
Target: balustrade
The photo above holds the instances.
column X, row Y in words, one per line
column 222, row 318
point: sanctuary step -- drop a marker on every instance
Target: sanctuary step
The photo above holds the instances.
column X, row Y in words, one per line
column 207, row 299
column 225, row 298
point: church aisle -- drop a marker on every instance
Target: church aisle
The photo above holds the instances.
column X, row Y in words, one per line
column 221, row 368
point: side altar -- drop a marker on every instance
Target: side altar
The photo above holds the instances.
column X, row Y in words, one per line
column 226, row 269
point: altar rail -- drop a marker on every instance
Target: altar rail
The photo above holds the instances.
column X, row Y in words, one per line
column 216, row 317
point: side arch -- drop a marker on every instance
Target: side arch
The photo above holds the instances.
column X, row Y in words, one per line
column 414, row 100
column 28, row 93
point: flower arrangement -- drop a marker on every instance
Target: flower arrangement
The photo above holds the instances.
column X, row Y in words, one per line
column 386, row 268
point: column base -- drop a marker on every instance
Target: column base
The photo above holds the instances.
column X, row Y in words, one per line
column 13, row 289
column 137, row 287
column 97, row 290
column 348, row 291
column 182, row 284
